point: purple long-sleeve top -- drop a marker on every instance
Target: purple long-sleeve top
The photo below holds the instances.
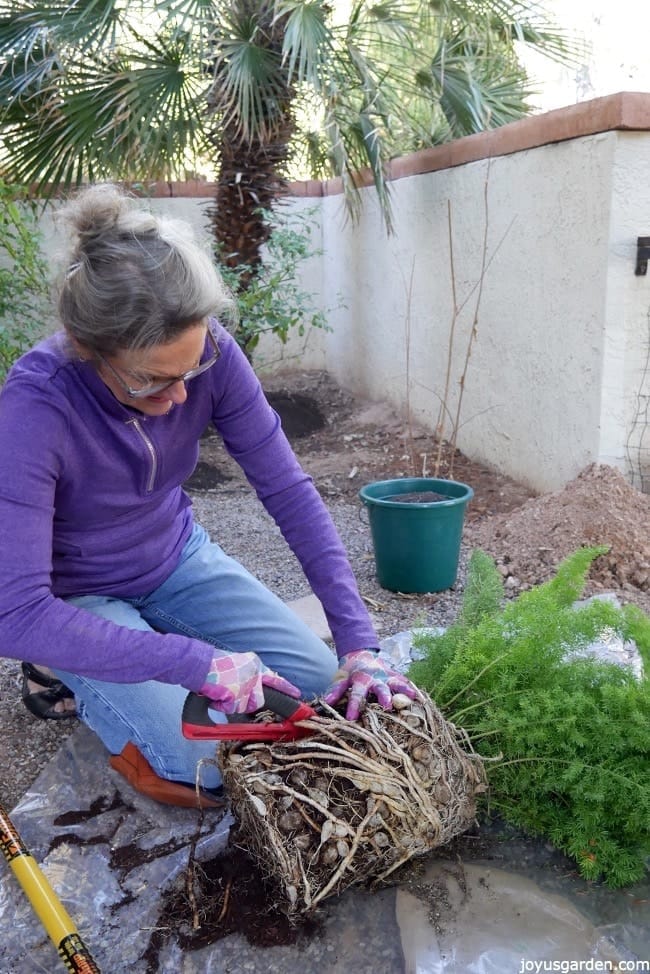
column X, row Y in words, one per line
column 91, row 502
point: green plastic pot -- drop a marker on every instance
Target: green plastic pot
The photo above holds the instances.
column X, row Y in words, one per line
column 416, row 544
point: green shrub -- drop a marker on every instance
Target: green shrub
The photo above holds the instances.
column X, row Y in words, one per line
column 566, row 737
column 272, row 302
column 23, row 276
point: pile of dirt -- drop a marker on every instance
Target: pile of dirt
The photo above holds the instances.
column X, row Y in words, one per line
column 527, row 535
column 599, row 507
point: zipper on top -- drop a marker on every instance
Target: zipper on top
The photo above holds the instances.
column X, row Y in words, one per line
column 151, row 450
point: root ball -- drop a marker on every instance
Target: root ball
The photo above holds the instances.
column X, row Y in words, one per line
column 355, row 800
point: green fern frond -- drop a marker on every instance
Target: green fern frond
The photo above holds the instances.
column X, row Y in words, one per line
column 483, row 594
column 567, row 735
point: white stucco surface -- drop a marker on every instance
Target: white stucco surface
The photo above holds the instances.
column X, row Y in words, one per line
column 532, row 400
column 556, row 366
column 626, row 381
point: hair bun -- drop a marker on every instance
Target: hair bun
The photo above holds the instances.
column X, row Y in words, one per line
column 133, row 279
column 103, row 208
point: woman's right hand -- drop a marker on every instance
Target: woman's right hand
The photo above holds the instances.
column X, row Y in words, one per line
column 235, row 683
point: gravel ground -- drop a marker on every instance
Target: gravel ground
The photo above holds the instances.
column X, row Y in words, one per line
column 245, row 530
column 27, row 744
column 235, row 518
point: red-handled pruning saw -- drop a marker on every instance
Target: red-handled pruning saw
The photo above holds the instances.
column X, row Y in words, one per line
column 199, row 726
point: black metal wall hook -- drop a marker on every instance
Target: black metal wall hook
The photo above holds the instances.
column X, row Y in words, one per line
column 642, row 255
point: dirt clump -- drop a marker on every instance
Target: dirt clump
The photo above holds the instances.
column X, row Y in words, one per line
column 598, row 507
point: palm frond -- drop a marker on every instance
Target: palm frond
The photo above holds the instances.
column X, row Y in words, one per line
column 83, row 24
column 249, row 90
column 525, row 21
column 160, row 98
column 476, row 88
column 306, row 40
column 191, row 12
column 115, row 117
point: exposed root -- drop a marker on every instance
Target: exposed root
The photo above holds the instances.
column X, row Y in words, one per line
column 355, row 800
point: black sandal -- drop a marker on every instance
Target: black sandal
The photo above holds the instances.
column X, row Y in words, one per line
column 42, row 703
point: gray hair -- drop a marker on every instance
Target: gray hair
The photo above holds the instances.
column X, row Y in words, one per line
column 135, row 279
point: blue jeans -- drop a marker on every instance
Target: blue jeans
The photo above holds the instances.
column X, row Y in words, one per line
column 211, row 597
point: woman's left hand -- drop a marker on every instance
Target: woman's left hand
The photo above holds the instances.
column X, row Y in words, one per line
column 362, row 672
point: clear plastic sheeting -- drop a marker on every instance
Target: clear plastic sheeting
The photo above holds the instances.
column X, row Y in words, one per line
column 106, row 850
column 111, row 853
column 489, row 921
column 609, row 648
column 400, row 648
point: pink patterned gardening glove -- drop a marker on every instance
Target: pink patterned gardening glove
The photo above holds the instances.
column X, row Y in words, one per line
column 361, row 673
column 235, row 683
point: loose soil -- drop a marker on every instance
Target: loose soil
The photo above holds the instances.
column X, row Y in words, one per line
column 417, row 497
column 597, row 508
column 345, row 443
column 225, row 895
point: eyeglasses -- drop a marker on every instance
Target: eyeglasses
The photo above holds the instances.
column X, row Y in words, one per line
column 153, row 388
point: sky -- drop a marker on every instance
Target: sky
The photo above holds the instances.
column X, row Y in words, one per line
column 617, row 33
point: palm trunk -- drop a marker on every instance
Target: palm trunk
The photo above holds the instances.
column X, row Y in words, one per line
column 252, row 169
column 249, row 183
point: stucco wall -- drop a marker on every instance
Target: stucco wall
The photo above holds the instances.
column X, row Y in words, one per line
column 626, row 381
column 557, row 375
column 532, row 397
column 550, row 208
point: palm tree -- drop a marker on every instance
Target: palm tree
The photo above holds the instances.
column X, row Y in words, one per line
column 250, row 131
column 95, row 89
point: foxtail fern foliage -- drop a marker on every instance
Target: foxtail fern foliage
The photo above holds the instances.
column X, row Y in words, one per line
column 567, row 736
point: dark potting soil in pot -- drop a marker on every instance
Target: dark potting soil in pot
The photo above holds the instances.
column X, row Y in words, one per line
column 417, row 497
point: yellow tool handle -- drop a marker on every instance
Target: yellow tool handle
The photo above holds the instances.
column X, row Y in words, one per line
column 46, row 904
